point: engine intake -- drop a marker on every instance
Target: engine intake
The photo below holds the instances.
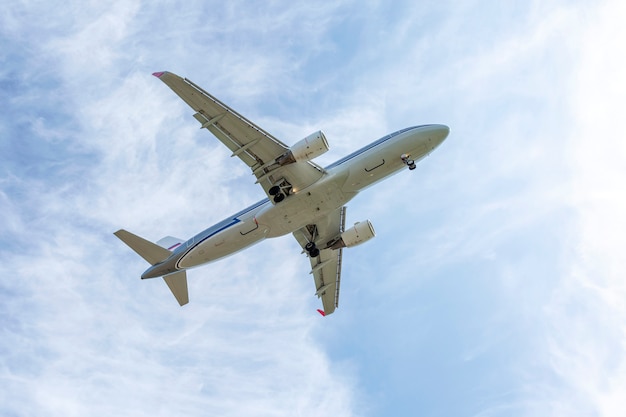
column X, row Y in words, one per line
column 359, row 233
column 308, row 148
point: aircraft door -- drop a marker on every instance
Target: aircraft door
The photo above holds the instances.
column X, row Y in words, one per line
column 374, row 164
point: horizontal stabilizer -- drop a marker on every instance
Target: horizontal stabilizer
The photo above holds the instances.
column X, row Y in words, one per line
column 178, row 285
column 149, row 251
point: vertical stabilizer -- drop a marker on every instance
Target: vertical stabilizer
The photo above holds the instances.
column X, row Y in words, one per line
column 154, row 254
column 170, row 243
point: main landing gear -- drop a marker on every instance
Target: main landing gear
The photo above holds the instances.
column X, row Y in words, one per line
column 276, row 193
column 408, row 161
column 313, row 251
column 280, row 190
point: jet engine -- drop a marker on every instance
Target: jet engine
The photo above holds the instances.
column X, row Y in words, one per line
column 308, row 148
column 359, row 233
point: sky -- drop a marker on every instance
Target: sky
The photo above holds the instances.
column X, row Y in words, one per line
column 495, row 285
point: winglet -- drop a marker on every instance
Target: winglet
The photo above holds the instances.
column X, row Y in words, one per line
column 321, row 312
column 159, row 74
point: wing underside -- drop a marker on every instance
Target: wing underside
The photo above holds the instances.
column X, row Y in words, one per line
column 268, row 159
column 326, row 267
column 258, row 149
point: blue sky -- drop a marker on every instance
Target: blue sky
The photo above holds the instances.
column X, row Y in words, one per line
column 495, row 285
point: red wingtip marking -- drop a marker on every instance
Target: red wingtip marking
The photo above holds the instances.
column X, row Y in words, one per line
column 321, row 312
column 159, row 74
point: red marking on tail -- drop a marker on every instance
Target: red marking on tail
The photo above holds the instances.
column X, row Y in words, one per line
column 321, row 312
column 158, row 74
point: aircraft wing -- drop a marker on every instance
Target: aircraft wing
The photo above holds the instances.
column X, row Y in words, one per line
column 325, row 268
column 253, row 145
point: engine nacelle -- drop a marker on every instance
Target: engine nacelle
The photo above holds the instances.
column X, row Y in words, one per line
column 308, row 148
column 359, row 233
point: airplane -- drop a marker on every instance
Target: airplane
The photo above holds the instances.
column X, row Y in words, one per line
column 303, row 198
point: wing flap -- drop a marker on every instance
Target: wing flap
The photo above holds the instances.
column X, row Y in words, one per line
column 328, row 279
column 326, row 267
column 231, row 128
column 258, row 149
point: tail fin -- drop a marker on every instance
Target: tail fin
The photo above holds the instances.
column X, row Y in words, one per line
column 149, row 251
column 153, row 253
column 170, row 243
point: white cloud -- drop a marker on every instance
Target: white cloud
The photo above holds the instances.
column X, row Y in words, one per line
column 477, row 238
column 588, row 310
column 81, row 333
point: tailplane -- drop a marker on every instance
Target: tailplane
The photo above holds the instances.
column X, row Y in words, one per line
column 178, row 285
column 154, row 253
column 149, row 251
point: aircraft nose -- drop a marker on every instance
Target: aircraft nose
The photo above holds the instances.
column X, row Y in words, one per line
column 442, row 132
column 439, row 134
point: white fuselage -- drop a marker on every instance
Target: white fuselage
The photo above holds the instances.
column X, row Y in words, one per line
column 343, row 181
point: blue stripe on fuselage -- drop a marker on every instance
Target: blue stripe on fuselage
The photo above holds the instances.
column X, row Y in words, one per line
column 217, row 228
column 372, row 145
column 231, row 221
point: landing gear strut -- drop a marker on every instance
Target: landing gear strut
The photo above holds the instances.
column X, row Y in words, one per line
column 408, row 161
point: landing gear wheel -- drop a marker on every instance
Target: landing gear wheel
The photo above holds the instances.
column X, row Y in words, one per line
column 310, row 247
column 274, row 190
column 408, row 161
column 279, row 197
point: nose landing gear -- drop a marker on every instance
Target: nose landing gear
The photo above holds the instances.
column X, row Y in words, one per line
column 408, row 161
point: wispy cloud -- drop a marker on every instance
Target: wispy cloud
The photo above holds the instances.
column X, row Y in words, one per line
column 496, row 274
column 81, row 333
column 588, row 311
